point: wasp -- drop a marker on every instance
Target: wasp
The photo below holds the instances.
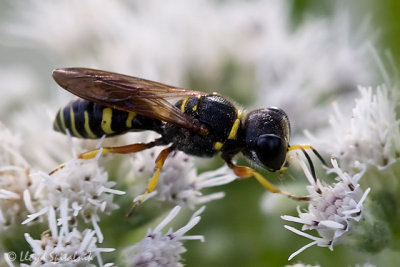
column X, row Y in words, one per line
column 197, row 123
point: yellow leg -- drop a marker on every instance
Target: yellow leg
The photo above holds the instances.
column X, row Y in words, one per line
column 154, row 180
column 247, row 172
column 119, row 150
column 57, row 169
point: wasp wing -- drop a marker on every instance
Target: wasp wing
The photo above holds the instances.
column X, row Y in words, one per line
column 128, row 93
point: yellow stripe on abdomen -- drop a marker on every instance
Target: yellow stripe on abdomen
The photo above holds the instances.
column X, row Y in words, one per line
column 62, row 121
column 128, row 122
column 87, row 126
column 73, row 126
column 106, row 121
column 183, row 105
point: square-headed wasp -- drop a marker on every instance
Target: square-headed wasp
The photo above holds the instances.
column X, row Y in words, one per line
column 198, row 124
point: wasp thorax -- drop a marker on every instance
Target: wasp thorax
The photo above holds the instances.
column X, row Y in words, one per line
column 267, row 134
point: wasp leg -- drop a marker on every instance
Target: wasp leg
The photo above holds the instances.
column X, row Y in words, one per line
column 57, row 169
column 154, row 180
column 247, row 172
column 120, row 149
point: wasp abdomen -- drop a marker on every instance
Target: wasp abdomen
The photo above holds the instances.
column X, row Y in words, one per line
column 85, row 119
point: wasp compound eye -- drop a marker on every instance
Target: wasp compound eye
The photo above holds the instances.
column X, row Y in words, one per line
column 271, row 151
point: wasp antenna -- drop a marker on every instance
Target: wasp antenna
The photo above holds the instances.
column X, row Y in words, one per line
column 306, row 146
column 319, row 156
column 313, row 173
column 303, row 149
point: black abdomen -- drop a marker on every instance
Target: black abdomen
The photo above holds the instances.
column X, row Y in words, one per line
column 85, row 119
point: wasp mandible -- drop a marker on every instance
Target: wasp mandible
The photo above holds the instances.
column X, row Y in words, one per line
column 198, row 123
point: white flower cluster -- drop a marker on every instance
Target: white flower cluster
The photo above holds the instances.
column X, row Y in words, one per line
column 60, row 245
column 370, row 135
column 179, row 182
column 80, row 183
column 332, row 209
column 14, row 179
column 80, row 190
column 158, row 249
column 77, row 187
column 35, row 125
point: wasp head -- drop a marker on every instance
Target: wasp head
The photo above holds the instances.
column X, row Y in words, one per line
column 267, row 133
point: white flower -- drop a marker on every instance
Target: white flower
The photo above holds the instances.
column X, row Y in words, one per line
column 14, row 180
column 158, row 249
column 370, row 135
column 332, row 210
column 82, row 184
column 179, row 182
column 63, row 247
column 34, row 124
